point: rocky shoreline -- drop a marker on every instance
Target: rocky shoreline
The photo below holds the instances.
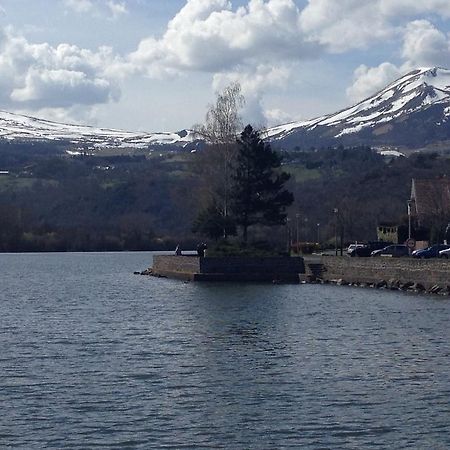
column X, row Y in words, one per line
column 431, row 276
column 392, row 285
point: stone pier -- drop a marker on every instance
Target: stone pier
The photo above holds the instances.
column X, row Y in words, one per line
column 232, row 268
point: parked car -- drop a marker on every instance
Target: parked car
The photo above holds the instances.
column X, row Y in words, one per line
column 392, row 250
column 354, row 246
column 445, row 253
column 430, row 252
column 368, row 248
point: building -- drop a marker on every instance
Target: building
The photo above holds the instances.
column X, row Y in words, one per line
column 430, row 206
column 387, row 232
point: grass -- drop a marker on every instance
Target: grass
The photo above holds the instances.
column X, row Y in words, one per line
column 11, row 183
column 301, row 174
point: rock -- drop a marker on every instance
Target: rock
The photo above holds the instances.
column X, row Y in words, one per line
column 406, row 286
column 381, row 284
column 418, row 287
column 394, row 284
column 435, row 289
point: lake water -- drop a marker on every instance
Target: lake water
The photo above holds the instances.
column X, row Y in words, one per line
column 93, row 356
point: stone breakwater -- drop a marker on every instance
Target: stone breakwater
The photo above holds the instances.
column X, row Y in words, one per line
column 193, row 268
column 408, row 274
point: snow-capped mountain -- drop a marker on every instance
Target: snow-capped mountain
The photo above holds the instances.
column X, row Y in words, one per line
column 19, row 128
column 412, row 112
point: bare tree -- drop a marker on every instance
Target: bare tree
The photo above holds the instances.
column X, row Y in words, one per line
column 220, row 131
column 223, row 122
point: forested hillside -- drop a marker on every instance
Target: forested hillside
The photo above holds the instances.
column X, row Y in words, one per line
column 53, row 202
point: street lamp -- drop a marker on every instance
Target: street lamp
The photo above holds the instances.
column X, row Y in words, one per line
column 318, row 233
column 409, row 219
column 288, row 236
column 336, row 215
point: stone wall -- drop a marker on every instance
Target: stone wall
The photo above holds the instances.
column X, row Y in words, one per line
column 231, row 265
column 428, row 272
column 183, row 267
column 229, row 268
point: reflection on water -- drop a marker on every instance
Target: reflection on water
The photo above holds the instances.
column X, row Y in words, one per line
column 95, row 356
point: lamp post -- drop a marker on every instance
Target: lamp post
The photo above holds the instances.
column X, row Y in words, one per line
column 288, row 236
column 297, row 219
column 409, row 228
column 318, row 234
column 409, row 219
column 336, row 215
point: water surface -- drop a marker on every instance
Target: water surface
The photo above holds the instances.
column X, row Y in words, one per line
column 93, row 356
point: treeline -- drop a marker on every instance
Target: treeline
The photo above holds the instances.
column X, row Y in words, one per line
column 366, row 188
column 60, row 203
column 52, row 202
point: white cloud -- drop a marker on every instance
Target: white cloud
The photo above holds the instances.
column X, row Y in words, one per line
column 98, row 8
column 276, row 117
column 255, row 83
column 423, row 46
column 117, row 8
column 345, row 24
column 79, row 6
column 408, row 8
column 62, row 88
column 210, row 36
column 352, row 24
column 37, row 76
column 367, row 80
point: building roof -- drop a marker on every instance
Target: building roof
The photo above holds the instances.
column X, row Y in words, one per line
column 430, row 196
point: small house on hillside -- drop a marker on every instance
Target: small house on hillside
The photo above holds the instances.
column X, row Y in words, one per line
column 387, row 232
column 430, row 205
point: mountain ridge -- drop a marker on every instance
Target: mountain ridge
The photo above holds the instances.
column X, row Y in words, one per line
column 422, row 95
column 412, row 111
column 22, row 128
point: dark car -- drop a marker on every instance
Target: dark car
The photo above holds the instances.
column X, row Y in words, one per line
column 392, row 250
column 430, row 252
column 368, row 248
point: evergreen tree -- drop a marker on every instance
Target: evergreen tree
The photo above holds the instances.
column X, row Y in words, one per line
column 258, row 195
column 212, row 223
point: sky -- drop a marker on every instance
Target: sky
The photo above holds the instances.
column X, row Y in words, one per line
column 156, row 65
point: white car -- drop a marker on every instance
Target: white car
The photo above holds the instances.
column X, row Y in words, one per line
column 444, row 253
column 352, row 247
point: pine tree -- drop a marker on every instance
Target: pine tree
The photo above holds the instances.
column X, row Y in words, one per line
column 258, row 195
column 211, row 222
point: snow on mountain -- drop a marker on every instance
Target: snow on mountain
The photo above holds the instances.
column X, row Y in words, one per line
column 16, row 127
column 414, row 107
column 410, row 112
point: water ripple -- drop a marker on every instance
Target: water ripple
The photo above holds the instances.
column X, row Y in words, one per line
column 94, row 357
